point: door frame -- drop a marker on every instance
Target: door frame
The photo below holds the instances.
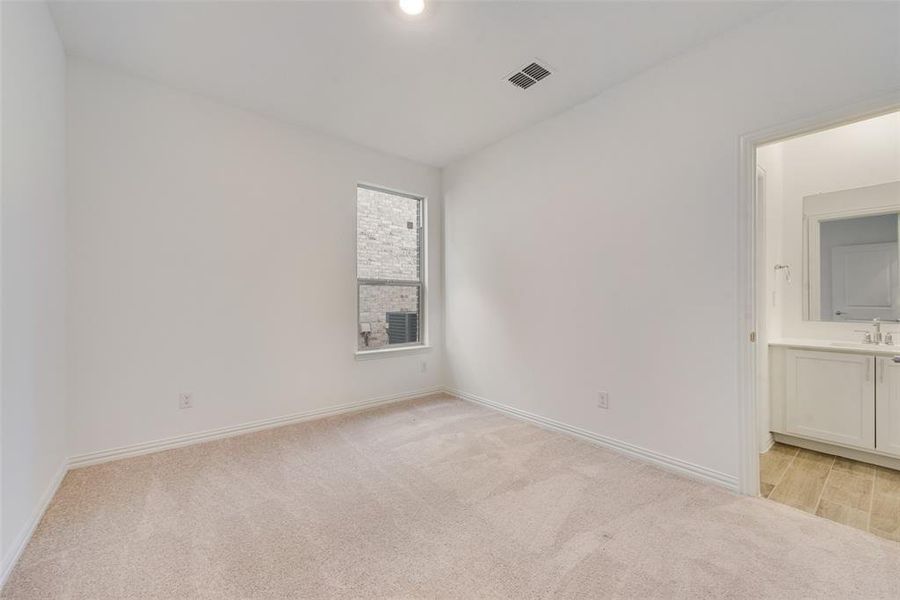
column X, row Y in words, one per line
column 751, row 275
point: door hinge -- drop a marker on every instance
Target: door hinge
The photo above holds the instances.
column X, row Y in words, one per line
column 752, row 336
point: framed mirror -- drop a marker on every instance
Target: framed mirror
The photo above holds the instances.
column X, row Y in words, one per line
column 851, row 254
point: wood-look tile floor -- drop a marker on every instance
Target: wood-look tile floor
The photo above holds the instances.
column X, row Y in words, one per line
column 846, row 491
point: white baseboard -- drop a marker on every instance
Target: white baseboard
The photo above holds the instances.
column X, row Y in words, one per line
column 93, row 458
column 12, row 557
column 766, row 443
column 670, row 463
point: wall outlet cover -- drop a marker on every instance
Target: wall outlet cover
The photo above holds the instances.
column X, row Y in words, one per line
column 603, row 400
column 185, row 400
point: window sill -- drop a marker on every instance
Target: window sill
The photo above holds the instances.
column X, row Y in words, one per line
column 386, row 352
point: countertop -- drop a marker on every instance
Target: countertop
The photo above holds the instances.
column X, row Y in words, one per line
column 838, row 346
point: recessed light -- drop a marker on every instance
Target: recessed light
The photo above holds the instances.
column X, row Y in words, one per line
column 412, row 7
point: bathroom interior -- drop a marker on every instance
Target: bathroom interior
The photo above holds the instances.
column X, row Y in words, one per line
column 828, row 308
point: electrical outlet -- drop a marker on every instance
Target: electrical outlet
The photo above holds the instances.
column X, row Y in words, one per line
column 603, row 400
column 424, row 366
column 185, row 400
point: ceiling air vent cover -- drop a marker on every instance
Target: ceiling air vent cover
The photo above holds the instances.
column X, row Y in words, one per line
column 528, row 75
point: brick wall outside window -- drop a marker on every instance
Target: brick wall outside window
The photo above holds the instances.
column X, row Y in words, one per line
column 387, row 239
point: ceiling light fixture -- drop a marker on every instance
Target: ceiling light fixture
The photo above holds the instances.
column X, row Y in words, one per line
column 412, row 7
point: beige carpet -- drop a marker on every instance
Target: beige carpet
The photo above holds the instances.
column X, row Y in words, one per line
column 434, row 498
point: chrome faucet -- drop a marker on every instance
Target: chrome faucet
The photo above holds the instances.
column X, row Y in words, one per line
column 876, row 337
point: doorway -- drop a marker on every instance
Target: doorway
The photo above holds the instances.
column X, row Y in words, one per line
column 758, row 271
column 819, row 256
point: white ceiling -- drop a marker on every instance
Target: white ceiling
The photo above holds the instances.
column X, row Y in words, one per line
column 431, row 89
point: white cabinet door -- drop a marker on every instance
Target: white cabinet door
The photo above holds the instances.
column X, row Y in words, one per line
column 887, row 407
column 831, row 397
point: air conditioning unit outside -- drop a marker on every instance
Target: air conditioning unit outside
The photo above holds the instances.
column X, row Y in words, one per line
column 403, row 327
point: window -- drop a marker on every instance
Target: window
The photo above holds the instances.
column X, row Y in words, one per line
column 389, row 273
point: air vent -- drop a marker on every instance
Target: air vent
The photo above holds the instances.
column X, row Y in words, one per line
column 529, row 75
column 536, row 71
column 522, row 80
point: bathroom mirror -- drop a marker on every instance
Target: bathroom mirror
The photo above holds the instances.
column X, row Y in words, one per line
column 852, row 260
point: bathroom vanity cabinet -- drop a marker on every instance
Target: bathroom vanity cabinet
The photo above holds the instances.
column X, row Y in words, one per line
column 840, row 394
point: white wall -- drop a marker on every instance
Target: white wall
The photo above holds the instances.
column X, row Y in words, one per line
column 596, row 250
column 857, row 155
column 212, row 251
column 33, row 266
